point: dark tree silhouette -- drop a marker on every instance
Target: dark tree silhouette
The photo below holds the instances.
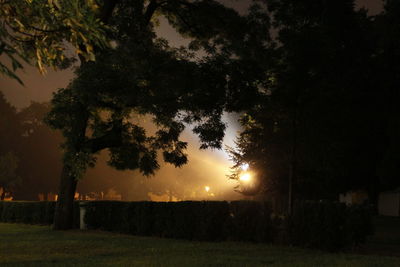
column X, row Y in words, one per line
column 37, row 31
column 323, row 125
column 8, row 175
column 9, row 126
column 39, row 152
column 143, row 75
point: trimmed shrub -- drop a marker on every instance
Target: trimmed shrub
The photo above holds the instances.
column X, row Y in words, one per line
column 143, row 218
column 32, row 212
column 359, row 223
column 163, row 222
column 213, row 219
column 323, row 225
column 328, row 225
column 192, row 220
column 251, row 221
column 104, row 215
column 185, row 219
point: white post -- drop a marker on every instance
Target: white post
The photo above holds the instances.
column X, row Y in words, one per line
column 82, row 211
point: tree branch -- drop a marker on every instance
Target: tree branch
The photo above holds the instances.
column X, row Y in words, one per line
column 151, row 8
column 48, row 31
column 107, row 10
column 111, row 139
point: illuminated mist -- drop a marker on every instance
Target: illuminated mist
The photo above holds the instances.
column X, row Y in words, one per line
column 205, row 168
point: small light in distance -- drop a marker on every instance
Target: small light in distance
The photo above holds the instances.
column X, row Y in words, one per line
column 245, row 167
column 207, row 188
column 245, row 177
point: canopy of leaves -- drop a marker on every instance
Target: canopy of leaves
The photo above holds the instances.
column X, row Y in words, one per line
column 327, row 97
column 37, row 148
column 39, row 31
column 143, row 75
column 8, row 167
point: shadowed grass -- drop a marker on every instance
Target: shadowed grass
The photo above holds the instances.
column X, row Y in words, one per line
column 27, row 245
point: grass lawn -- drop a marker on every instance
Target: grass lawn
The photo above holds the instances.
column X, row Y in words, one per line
column 27, row 245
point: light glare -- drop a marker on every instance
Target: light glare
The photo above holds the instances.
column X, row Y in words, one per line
column 245, row 167
column 245, row 177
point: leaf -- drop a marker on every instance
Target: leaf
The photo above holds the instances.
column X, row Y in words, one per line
column 15, row 64
column 6, row 71
column 57, row 4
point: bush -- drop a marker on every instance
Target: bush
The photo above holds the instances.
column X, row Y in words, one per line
column 323, row 225
column 214, row 217
column 328, row 225
column 251, row 221
column 31, row 212
column 359, row 223
column 192, row 220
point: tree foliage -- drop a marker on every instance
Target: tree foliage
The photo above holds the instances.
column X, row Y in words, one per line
column 24, row 134
column 8, row 176
column 39, row 31
column 143, row 75
column 328, row 106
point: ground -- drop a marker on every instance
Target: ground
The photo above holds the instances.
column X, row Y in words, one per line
column 27, row 245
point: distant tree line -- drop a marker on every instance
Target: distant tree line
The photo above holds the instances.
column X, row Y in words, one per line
column 30, row 153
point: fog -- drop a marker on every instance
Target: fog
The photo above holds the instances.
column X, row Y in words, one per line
column 205, row 168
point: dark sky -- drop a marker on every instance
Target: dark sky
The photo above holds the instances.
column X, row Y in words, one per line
column 205, row 168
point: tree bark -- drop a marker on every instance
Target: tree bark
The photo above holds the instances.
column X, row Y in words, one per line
column 292, row 171
column 63, row 217
column 293, row 162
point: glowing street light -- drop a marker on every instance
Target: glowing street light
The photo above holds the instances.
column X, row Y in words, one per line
column 207, row 188
column 245, row 177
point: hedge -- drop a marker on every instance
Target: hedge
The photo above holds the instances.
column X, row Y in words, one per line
column 32, row 212
column 329, row 225
column 324, row 224
column 192, row 220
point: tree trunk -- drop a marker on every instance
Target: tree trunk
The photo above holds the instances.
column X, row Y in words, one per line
column 292, row 163
column 373, row 192
column 63, row 217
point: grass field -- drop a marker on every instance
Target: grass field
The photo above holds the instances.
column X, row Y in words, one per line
column 27, row 245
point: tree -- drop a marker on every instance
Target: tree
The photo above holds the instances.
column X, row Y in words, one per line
column 40, row 30
column 143, row 75
column 24, row 134
column 9, row 126
column 386, row 28
column 307, row 133
column 8, row 176
column 39, row 153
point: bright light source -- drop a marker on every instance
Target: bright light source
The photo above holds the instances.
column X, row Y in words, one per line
column 207, row 188
column 245, row 167
column 245, row 177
